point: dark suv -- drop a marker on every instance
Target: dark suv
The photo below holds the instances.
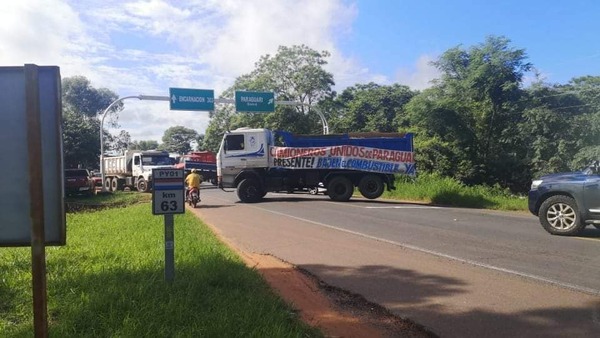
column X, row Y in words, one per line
column 79, row 181
column 567, row 202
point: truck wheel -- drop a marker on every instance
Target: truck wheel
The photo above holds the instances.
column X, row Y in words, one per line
column 340, row 189
column 559, row 215
column 249, row 191
column 371, row 186
column 142, row 185
column 114, row 184
column 107, row 185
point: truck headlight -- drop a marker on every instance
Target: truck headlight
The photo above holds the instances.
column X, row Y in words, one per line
column 535, row 184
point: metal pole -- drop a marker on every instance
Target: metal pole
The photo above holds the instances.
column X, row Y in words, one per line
column 169, row 248
column 38, row 237
column 102, row 135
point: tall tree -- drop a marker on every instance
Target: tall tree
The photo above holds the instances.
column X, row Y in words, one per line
column 119, row 143
column 81, row 97
column 481, row 86
column 561, row 125
column 81, row 105
column 370, row 107
column 143, row 145
column 294, row 74
column 178, row 139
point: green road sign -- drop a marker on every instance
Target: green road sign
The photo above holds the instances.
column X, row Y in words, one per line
column 192, row 99
column 254, row 101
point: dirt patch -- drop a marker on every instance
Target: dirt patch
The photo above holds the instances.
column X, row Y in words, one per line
column 338, row 313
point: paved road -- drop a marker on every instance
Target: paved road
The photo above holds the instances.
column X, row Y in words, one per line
column 459, row 272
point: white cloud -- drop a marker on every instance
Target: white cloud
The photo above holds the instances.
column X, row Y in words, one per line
column 419, row 76
column 146, row 46
column 38, row 31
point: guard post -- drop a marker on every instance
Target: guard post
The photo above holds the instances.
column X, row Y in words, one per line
column 168, row 198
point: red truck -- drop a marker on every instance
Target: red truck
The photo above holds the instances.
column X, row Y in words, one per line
column 204, row 161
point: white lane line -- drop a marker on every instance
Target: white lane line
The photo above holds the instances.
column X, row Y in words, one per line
column 439, row 254
column 404, row 207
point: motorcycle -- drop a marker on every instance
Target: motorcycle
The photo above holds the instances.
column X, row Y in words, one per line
column 193, row 197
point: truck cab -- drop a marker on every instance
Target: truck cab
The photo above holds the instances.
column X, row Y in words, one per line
column 241, row 149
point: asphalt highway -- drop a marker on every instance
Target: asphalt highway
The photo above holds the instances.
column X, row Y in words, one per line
column 460, row 272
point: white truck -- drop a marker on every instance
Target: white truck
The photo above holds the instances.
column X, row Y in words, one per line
column 258, row 161
column 134, row 169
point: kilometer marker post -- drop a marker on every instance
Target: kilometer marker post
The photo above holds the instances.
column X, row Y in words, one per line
column 168, row 198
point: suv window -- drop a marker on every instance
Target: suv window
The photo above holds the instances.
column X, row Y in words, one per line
column 76, row 173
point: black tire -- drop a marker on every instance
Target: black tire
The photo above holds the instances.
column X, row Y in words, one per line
column 114, row 184
column 107, row 184
column 340, row 189
column 249, row 191
column 142, row 185
column 559, row 215
column 371, row 186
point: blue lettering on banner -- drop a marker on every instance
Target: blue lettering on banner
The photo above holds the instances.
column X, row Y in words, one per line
column 364, row 165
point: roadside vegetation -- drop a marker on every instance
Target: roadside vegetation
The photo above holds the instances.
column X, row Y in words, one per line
column 104, row 200
column 435, row 189
column 108, row 281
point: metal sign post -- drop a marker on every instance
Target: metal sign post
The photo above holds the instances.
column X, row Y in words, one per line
column 168, row 198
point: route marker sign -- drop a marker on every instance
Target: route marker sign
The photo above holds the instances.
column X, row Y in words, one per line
column 168, row 195
column 192, row 99
column 255, row 102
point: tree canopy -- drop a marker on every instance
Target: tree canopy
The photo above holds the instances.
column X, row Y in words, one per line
column 179, row 139
column 82, row 104
column 479, row 123
column 294, row 74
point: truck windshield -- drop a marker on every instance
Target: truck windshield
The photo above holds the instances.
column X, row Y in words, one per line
column 156, row 160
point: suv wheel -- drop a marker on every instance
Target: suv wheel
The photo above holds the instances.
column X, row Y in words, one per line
column 559, row 215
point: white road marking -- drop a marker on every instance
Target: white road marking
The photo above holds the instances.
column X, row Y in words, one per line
column 439, row 254
column 404, row 207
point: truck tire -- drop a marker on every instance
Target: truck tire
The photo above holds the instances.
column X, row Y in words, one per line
column 559, row 215
column 107, row 185
column 371, row 186
column 114, row 184
column 142, row 185
column 340, row 189
column 249, row 191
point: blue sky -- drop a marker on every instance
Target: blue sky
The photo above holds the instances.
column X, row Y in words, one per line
column 146, row 46
column 561, row 38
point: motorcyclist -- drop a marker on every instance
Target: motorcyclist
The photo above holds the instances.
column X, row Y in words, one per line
column 193, row 180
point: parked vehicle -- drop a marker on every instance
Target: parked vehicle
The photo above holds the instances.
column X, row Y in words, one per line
column 566, row 202
column 134, row 169
column 79, row 181
column 96, row 177
column 258, row 161
column 203, row 161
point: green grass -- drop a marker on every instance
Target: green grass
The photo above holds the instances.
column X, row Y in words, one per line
column 108, row 281
column 446, row 191
column 120, row 198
